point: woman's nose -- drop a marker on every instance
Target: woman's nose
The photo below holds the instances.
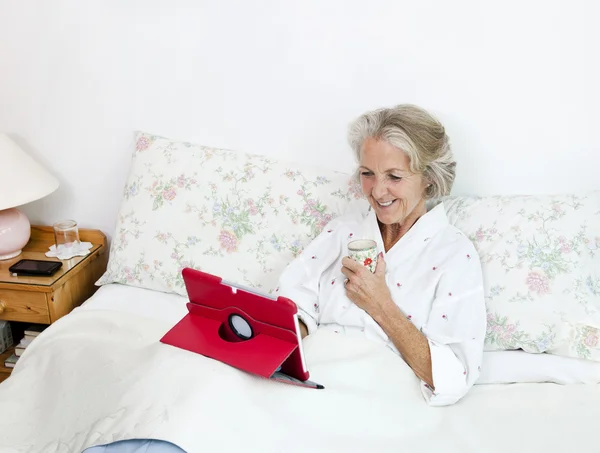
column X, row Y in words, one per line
column 379, row 189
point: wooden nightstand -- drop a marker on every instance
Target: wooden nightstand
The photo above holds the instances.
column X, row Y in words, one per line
column 43, row 300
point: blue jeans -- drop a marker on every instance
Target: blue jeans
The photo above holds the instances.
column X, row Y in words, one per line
column 136, row 446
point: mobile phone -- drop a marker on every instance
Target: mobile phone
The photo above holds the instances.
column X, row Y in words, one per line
column 32, row 268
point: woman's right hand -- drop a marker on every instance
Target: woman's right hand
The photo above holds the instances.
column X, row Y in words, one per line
column 303, row 329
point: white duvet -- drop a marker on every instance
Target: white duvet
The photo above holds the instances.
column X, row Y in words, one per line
column 101, row 375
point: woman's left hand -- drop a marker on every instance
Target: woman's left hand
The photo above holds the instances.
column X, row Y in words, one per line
column 366, row 289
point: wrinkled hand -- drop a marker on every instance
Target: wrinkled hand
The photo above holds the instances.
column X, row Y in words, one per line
column 303, row 329
column 367, row 290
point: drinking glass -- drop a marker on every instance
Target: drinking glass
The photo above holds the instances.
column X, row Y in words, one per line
column 66, row 234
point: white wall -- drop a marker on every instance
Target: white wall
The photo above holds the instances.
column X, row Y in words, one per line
column 516, row 83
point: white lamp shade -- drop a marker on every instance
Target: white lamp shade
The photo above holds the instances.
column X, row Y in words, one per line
column 22, row 179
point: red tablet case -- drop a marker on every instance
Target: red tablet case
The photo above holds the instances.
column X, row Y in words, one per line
column 206, row 329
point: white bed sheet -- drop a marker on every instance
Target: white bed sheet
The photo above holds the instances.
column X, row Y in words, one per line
column 138, row 301
column 546, row 418
column 499, row 367
column 171, row 307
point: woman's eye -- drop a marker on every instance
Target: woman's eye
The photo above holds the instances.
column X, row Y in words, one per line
column 395, row 178
column 366, row 173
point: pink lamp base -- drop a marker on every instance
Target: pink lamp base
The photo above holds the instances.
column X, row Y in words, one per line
column 15, row 231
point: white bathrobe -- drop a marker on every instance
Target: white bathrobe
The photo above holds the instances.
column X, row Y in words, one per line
column 434, row 276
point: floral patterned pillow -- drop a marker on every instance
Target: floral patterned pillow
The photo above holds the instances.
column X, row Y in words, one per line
column 541, row 265
column 242, row 217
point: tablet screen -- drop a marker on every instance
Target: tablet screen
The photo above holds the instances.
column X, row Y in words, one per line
column 299, row 335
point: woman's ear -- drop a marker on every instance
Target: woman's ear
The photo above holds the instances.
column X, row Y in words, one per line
column 426, row 187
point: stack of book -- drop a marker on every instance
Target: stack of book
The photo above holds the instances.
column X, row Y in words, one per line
column 31, row 333
column 11, row 361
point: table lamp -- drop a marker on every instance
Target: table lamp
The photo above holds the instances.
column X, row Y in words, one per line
column 22, row 180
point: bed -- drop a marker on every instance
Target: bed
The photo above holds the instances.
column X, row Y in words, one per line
column 101, row 375
column 121, row 383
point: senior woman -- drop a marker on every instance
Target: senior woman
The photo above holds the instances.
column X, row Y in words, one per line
column 425, row 299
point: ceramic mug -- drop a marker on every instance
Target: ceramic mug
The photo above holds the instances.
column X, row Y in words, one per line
column 364, row 251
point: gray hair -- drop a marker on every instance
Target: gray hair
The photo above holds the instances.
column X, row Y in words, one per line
column 418, row 134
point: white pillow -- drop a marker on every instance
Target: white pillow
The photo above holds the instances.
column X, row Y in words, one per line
column 507, row 367
column 242, row 217
column 541, row 267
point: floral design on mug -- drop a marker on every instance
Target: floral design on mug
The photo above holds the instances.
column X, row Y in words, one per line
column 364, row 251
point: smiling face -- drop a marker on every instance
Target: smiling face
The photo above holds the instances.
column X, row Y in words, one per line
column 387, row 182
